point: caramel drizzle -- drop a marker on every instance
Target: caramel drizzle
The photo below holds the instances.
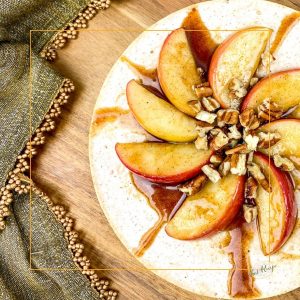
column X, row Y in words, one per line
column 165, row 200
column 286, row 25
column 240, row 281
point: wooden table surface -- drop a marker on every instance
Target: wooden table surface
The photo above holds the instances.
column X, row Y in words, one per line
column 62, row 168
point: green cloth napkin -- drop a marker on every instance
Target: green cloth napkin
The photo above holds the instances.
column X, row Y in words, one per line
column 49, row 247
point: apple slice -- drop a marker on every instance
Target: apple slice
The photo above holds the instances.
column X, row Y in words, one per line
column 163, row 162
column 210, row 210
column 237, row 57
column 177, row 71
column 159, row 117
column 277, row 211
column 289, row 130
column 283, row 88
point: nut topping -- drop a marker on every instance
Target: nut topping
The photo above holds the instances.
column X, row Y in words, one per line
column 201, row 143
column 251, row 187
column 248, row 119
column 219, row 140
column 238, row 164
column 283, row 163
column 206, row 116
column 228, row 116
column 211, row 173
column 224, row 167
column 202, row 91
column 268, row 139
column 195, row 105
column 250, row 213
column 234, row 133
column 193, row 186
column 237, row 89
column 238, row 149
column 210, row 104
column 216, row 159
column 259, row 176
column 269, row 110
column 251, row 141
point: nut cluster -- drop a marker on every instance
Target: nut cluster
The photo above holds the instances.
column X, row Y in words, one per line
column 70, row 32
column 232, row 136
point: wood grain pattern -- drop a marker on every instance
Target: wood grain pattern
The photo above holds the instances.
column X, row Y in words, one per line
column 62, row 168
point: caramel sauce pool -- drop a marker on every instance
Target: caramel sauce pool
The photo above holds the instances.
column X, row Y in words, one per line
column 286, row 25
column 201, row 43
column 164, row 200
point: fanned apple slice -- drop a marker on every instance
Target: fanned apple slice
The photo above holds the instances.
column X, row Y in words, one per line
column 282, row 88
column 275, row 224
column 163, row 162
column 237, row 57
column 210, row 210
column 289, row 143
column 177, row 71
column 159, row 117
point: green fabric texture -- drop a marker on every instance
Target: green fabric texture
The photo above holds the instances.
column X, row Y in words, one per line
column 49, row 247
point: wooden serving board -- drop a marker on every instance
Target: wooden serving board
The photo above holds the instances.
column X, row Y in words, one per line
column 62, row 168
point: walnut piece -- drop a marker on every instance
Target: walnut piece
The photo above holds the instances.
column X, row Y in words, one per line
column 250, row 213
column 283, row 163
column 195, row 105
column 250, row 194
column 193, row 186
column 201, row 143
column 219, row 140
column 234, row 133
column 251, row 141
column 201, row 90
column 206, row 116
column 228, row 116
column 268, row 139
column 249, row 119
column 238, row 164
column 210, row 104
column 211, row 173
column 259, row 176
column 269, row 110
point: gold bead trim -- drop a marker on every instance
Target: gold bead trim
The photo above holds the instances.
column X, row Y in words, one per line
column 20, row 183
column 70, row 32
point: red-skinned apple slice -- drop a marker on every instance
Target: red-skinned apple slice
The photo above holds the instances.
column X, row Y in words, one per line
column 282, row 88
column 237, row 57
column 289, row 144
column 159, row 117
column 163, row 162
column 275, row 224
column 177, row 71
column 210, row 210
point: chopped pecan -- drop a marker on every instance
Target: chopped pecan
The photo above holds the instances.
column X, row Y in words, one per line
column 259, row 176
column 195, row 105
column 250, row 157
column 234, row 133
column 269, row 110
column 268, row 139
column 202, row 91
column 201, row 73
column 216, row 159
column 228, row 116
column 193, row 186
column 206, row 117
column 224, row 167
column 283, row 163
column 250, row 191
column 211, row 173
column 203, row 130
column 253, row 81
column 210, row 104
column 201, row 143
column 250, row 213
column 251, row 141
column 237, row 89
column 238, row 149
column 219, row 140
column 238, row 164
column 249, row 119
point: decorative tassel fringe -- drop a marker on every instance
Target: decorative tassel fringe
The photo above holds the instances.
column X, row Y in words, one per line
column 71, row 31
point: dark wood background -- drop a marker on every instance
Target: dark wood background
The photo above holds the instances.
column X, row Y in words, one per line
column 62, row 168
